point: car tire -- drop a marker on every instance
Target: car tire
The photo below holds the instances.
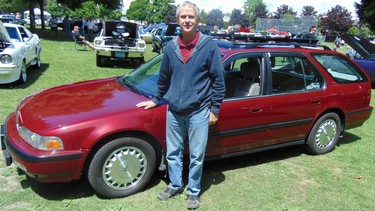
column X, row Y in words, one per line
column 324, row 135
column 122, row 167
column 99, row 61
column 23, row 74
column 37, row 62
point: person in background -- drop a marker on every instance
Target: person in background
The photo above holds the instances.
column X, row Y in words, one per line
column 90, row 29
column 81, row 38
column 53, row 25
column 67, row 29
column 311, row 34
column 192, row 72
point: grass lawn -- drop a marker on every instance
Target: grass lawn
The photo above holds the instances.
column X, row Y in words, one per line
column 284, row 179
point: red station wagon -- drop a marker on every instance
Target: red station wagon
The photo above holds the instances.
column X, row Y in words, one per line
column 278, row 95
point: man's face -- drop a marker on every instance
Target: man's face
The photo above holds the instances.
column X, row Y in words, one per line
column 187, row 20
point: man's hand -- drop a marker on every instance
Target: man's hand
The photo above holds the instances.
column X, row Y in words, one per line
column 146, row 104
column 213, row 118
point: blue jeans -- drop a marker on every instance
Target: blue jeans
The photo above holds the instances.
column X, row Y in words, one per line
column 195, row 127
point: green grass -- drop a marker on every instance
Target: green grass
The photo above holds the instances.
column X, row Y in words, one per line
column 284, row 179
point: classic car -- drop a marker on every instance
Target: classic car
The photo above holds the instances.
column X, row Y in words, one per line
column 19, row 50
column 119, row 40
column 162, row 35
column 362, row 52
column 276, row 96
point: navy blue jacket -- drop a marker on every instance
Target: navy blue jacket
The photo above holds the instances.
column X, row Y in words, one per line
column 196, row 84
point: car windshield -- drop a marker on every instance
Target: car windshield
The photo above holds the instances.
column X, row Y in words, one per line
column 13, row 34
column 144, row 78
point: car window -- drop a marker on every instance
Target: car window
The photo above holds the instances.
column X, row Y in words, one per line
column 294, row 74
column 144, row 78
column 242, row 78
column 23, row 33
column 13, row 34
column 340, row 68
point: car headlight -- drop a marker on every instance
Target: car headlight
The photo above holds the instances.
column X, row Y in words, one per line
column 6, row 59
column 98, row 42
column 40, row 142
column 142, row 45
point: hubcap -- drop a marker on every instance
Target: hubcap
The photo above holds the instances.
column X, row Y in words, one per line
column 124, row 168
column 326, row 133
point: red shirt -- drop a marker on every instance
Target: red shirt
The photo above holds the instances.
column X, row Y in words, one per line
column 188, row 48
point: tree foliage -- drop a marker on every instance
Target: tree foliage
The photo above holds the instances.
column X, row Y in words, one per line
column 250, row 8
column 238, row 18
column 366, row 13
column 12, row 6
column 336, row 21
column 309, row 11
column 75, row 4
column 137, row 10
column 160, row 9
column 283, row 9
column 215, row 17
column 260, row 12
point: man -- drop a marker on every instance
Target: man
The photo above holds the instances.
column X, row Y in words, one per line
column 311, row 35
column 192, row 72
column 81, row 38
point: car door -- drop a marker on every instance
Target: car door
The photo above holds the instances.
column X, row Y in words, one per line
column 28, row 44
column 295, row 96
column 242, row 119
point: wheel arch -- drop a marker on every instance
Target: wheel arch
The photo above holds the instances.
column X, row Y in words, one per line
column 138, row 134
column 337, row 111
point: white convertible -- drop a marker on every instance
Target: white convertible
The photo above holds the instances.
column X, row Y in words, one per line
column 19, row 49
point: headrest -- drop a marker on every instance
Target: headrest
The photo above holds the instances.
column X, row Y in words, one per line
column 251, row 68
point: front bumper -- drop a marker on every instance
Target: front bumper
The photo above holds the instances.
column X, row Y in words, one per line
column 119, row 52
column 45, row 166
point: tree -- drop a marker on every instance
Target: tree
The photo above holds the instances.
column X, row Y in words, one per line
column 75, row 4
column 203, row 16
column 309, row 11
column 12, row 6
column 250, row 7
column 138, row 10
column 160, row 9
column 215, row 17
column 260, row 12
column 283, row 9
column 366, row 13
column 336, row 21
column 57, row 9
column 238, row 18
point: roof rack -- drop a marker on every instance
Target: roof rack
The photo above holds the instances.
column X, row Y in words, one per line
column 252, row 40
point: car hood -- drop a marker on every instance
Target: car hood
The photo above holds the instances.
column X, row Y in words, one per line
column 75, row 104
column 4, row 36
column 359, row 44
column 110, row 26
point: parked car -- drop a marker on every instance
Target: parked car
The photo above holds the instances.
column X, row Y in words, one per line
column 12, row 19
column 146, row 34
column 162, row 35
column 276, row 96
column 119, row 40
column 362, row 52
column 19, row 50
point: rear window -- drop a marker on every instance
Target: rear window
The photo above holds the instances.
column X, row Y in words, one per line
column 340, row 68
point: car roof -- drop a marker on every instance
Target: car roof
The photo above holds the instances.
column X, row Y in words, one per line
column 359, row 44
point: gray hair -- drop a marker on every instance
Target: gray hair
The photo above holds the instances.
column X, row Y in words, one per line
column 191, row 5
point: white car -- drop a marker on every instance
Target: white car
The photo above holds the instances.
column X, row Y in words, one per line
column 19, row 49
column 119, row 40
